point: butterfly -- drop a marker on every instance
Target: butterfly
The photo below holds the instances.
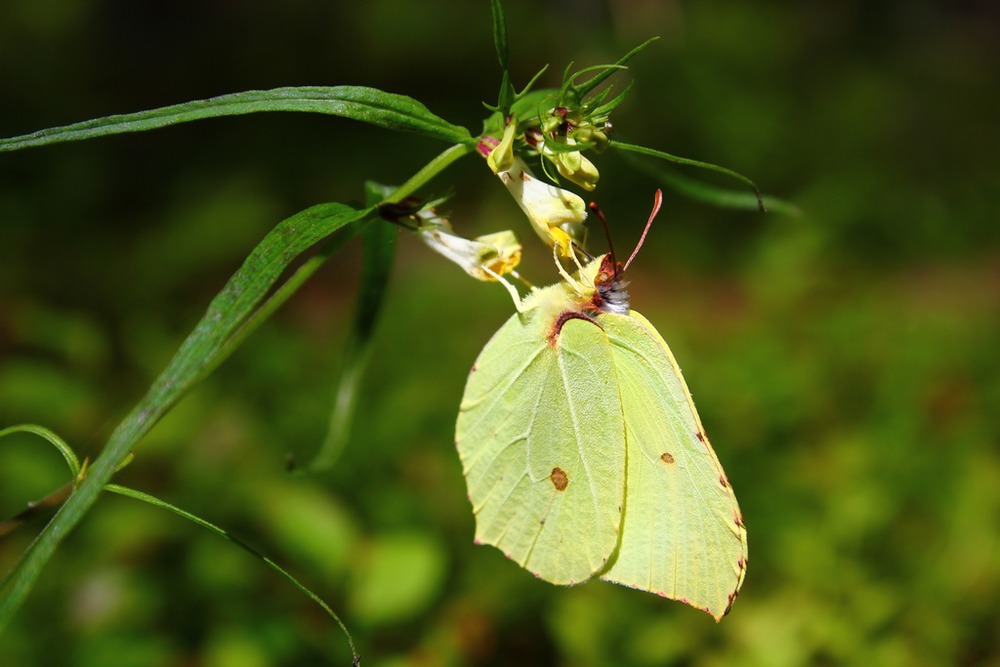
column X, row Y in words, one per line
column 584, row 455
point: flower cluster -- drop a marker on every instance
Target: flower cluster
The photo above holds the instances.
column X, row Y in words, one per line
column 556, row 214
column 550, row 128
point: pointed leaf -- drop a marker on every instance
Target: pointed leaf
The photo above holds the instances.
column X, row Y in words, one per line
column 369, row 105
column 232, row 307
column 605, row 109
column 598, row 79
column 378, row 247
column 232, row 313
column 162, row 504
column 652, row 152
column 67, row 452
column 713, row 194
column 500, row 34
column 507, row 94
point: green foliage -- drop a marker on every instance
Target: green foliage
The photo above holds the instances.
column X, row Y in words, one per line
column 392, row 112
column 201, row 352
column 844, row 361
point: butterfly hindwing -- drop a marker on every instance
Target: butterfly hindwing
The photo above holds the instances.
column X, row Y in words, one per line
column 682, row 532
column 541, row 437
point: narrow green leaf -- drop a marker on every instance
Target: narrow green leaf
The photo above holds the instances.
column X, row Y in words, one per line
column 331, row 245
column 369, row 105
column 580, row 91
column 608, row 70
column 507, row 95
column 500, row 33
column 706, row 195
column 607, row 108
column 283, row 293
column 379, row 243
column 532, row 82
column 53, row 499
column 712, row 194
column 429, row 171
column 231, row 312
column 67, row 452
column 227, row 312
column 162, row 504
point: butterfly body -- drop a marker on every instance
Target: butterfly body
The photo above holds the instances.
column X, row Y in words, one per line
column 584, row 455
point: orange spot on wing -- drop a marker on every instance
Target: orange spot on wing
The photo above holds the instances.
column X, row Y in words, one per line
column 667, row 458
column 559, row 479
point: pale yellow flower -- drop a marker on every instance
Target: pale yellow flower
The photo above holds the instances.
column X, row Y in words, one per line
column 556, row 214
column 484, row 258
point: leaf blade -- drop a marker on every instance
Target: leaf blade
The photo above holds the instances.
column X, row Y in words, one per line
column 221, row 532
column 361, row 103
column 662, row 155
column 507, row 94
column 711, row 194
column 233, row 306
column 378, row 249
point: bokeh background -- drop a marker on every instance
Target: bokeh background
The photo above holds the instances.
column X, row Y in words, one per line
column 845, row 361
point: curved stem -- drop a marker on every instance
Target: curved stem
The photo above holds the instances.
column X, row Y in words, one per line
column 427, row 172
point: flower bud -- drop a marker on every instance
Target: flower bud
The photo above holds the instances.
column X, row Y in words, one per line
column 578, row 169
column 501, row 158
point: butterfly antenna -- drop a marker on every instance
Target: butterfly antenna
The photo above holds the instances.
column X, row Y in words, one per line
column 657, row 202
column 580, row 249
column 596, row 210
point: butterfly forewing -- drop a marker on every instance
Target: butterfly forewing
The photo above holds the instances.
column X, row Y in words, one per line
column 542, row 442
column 682, row 532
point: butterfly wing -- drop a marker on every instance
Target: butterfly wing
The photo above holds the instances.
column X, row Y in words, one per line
column 682, row 532
column 541, row 437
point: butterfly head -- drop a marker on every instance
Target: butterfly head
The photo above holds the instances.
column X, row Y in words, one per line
column 610, row 295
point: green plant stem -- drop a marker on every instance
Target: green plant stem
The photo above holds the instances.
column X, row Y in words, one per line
column 427, row 172
column 304, row 272
column 162, row 504
column 199, row 354
column 57, row 497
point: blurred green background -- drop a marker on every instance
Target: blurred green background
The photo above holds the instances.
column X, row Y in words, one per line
column 845, row 362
